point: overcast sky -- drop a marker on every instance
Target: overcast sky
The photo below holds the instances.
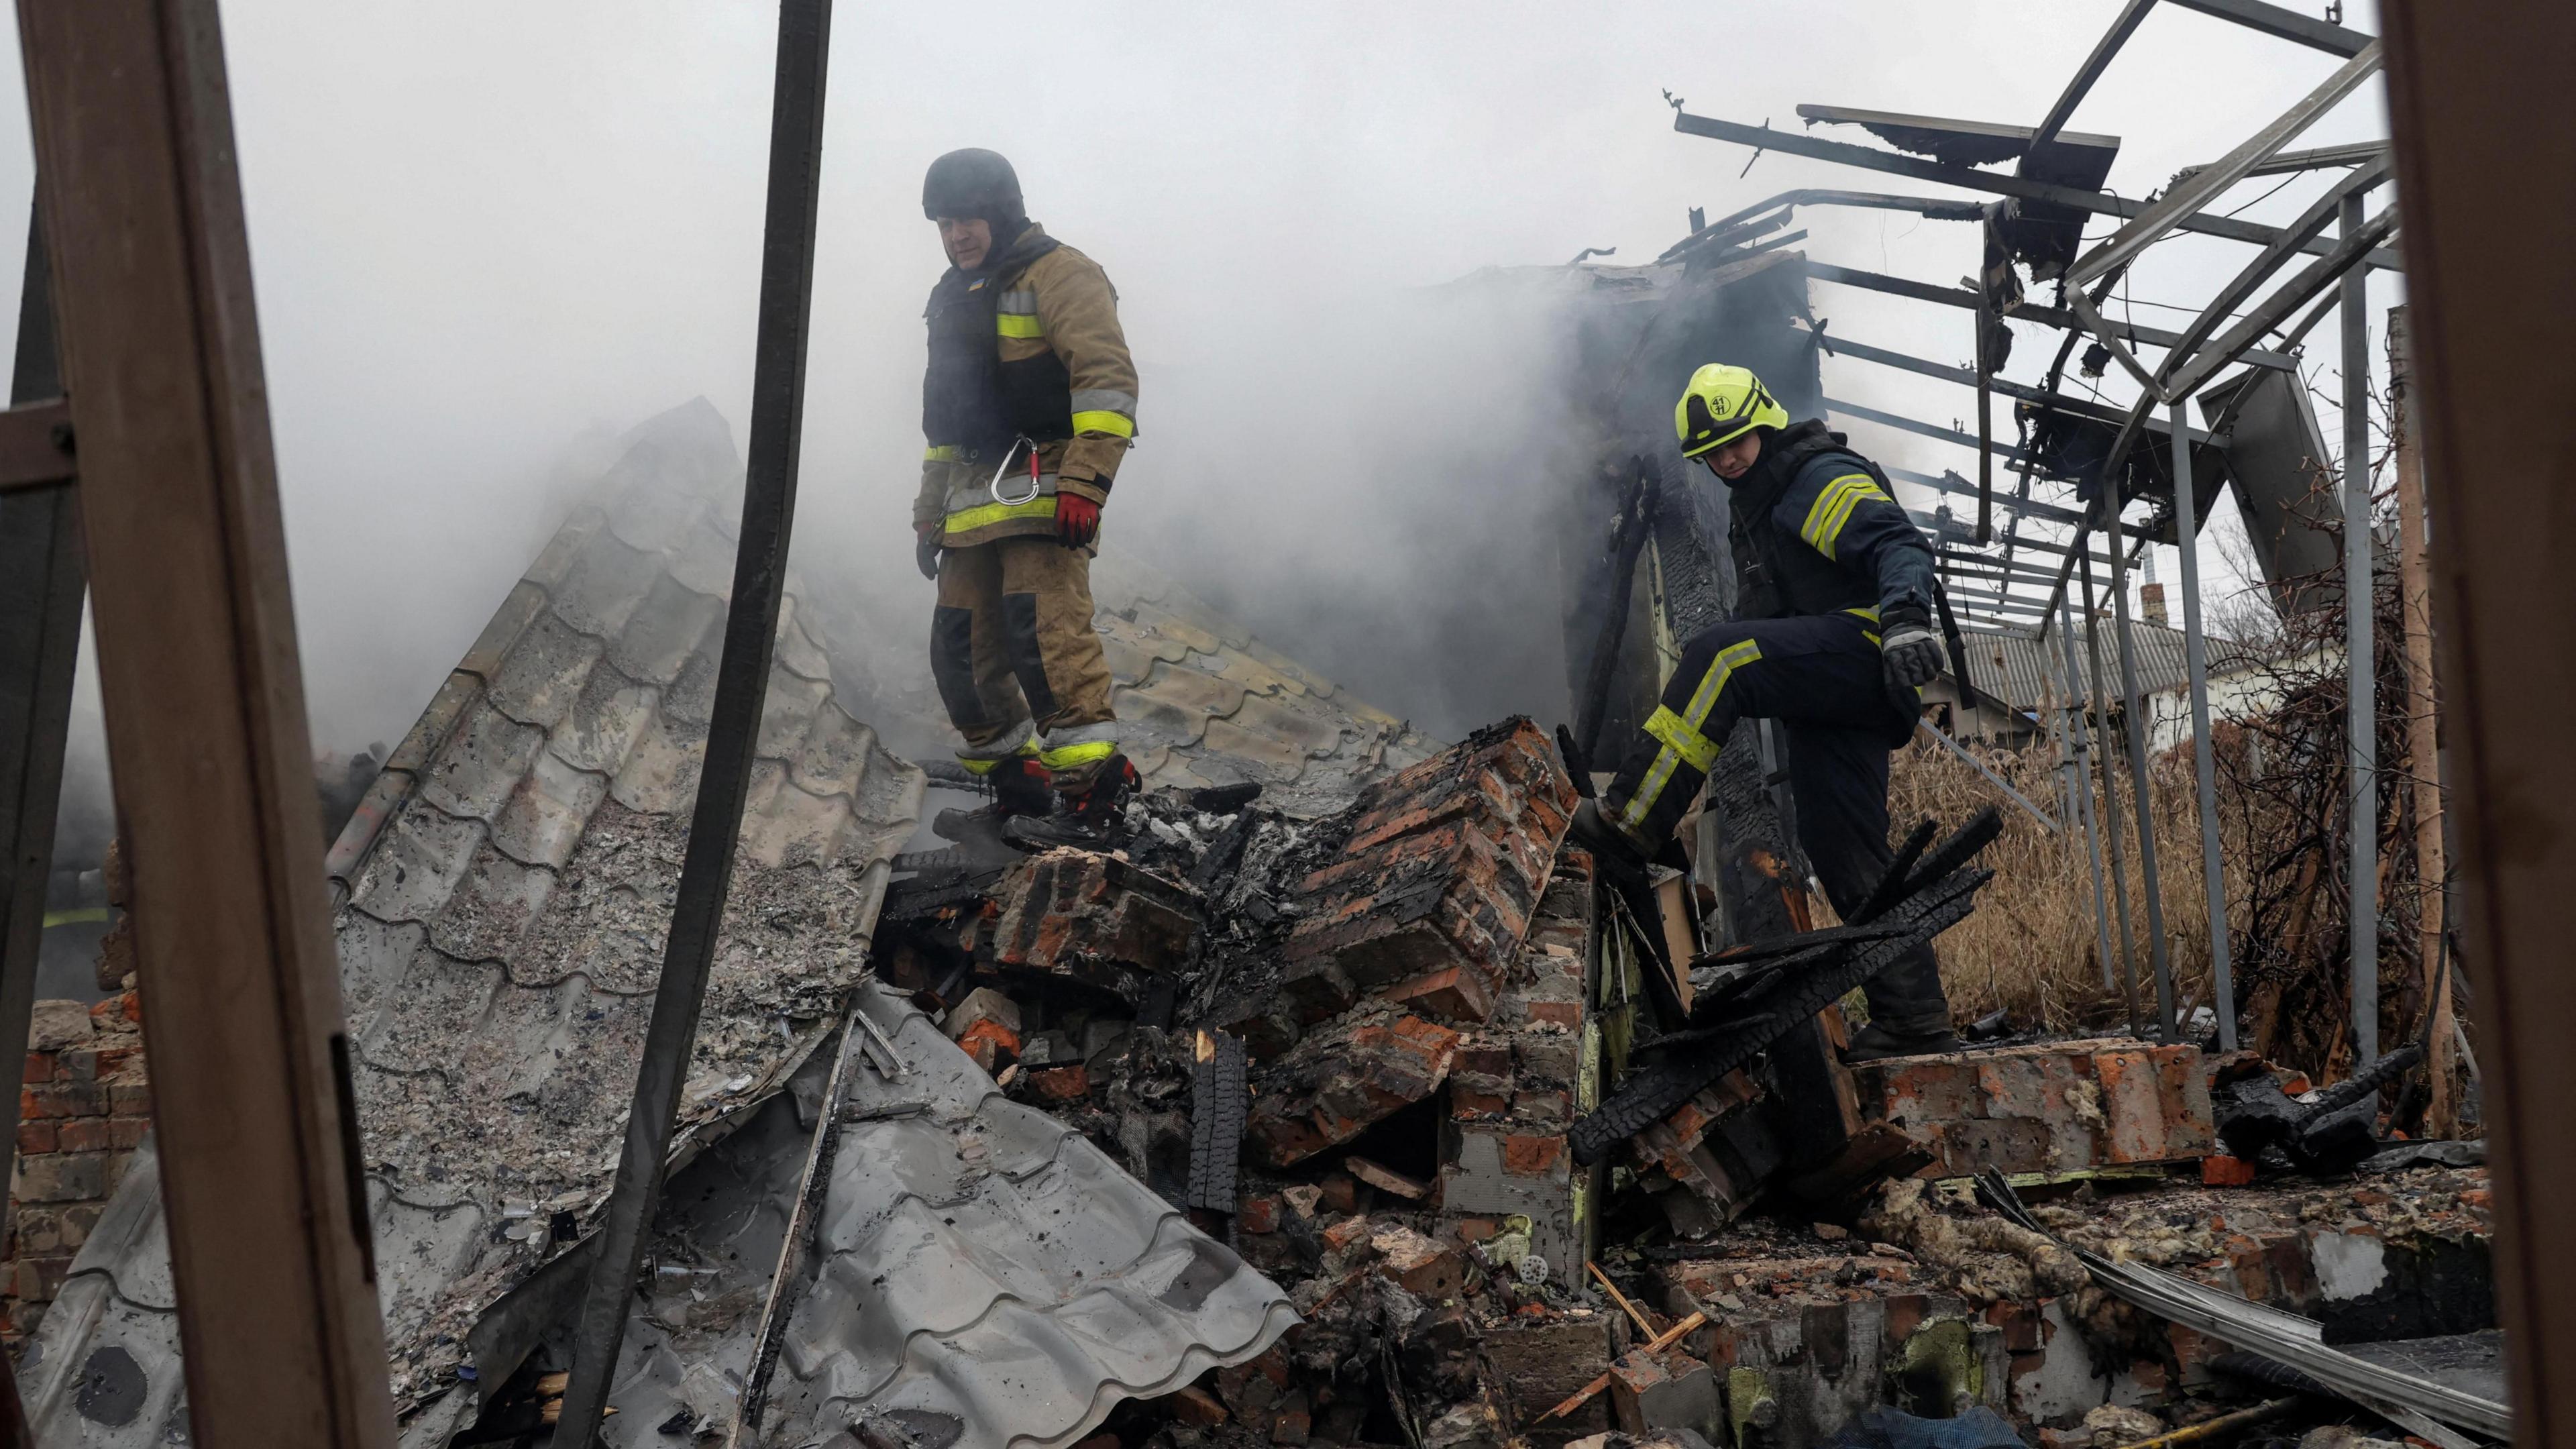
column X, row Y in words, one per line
column 486, row 233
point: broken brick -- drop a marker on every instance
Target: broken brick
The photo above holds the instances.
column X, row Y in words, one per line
column 1432, row 894
column 1346, row 1232
column 1061, row 1084
column 1069, row 908
column 987, row 1024
column 2225, row 1171
column 1387, row 1179
column 1258, row 1214
column 1531, row 1156
column 1329, row 1087
column 1341, row 1192
column 1420, row 1266
column 1195, row 1405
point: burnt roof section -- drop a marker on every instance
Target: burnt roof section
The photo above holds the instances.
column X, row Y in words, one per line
column 1973, row 143
column 503, row 893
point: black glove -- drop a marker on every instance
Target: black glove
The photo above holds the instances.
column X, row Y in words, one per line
column 1908, row 648
column 925, row 552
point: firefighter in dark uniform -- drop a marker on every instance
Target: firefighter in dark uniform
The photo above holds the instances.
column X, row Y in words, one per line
column 1832, row 636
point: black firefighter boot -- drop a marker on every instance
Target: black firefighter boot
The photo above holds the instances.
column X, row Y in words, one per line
column 1909, row 1016
column 1084, row 819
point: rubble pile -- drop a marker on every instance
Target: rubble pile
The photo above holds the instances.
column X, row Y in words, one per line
column 1535, row 1167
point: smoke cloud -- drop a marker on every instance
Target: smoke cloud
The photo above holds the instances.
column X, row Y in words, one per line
column 489, row 238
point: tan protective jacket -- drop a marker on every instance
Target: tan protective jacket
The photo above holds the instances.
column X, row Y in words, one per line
column 1061, row 302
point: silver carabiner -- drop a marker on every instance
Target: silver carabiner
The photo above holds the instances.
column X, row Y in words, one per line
column 995, row 487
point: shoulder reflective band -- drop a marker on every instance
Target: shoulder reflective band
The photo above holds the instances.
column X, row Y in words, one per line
column 1833, row 508
column 1703, row 699
column 967, row 520
column 942, row 453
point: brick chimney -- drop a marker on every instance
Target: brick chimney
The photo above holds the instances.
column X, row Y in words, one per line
column 2151, row 599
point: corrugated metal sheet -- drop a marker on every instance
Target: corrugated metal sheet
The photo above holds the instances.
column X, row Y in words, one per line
column 983, row 1274
column 505, row 889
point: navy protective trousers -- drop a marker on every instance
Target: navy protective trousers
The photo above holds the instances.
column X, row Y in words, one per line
column 1820, row 676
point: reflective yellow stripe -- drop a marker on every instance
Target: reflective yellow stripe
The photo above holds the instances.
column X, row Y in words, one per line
column 77, row 916
column 1011, row 324
column 1067, row 757
column 1824, row 526
column 1824, row 504
column 1703, row 699
column 1114, row 424
column 1867, row 616
column 977, row 767
column 1697, row 750
column 942, row 453
column 966, row 520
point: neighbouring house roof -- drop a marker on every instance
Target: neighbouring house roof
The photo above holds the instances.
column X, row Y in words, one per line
column 2023, row 671
column 501, row 898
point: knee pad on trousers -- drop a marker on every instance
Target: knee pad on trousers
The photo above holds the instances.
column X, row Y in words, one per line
column 1028, row 657
column 952, row 665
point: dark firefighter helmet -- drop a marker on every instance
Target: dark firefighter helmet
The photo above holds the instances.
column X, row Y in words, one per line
column 972, row 182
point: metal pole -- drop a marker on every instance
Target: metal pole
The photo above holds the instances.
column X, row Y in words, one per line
column 270, row 1248
column 2111, row 803
column 44, row 577
column 2134, row 705
column 733, row 728
column 2204, row 750
column 1954, row 747
column 2361, row 715
column 2083, row 783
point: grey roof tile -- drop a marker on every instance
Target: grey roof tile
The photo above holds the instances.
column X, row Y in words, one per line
column 482, row 763
column 554, row 562
column 983, row 1261
column 493, row 909
column 604, row 724
column 439, row 1003
column 541, row 822
column 545, row 671
column 834, row 753
column 606, row 584
column 787, row 712
column 798, row 653
column 647, row 517
column 1316, row 737
column 783, row 825
column 374, row 955
column 524, row 603
column 661, row 771
column 674, row 623
column 704, row 563
column 415, row 866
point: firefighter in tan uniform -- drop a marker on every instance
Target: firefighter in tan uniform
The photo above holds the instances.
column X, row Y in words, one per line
column 1028, row 406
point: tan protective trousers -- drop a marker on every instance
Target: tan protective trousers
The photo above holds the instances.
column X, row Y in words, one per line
column 1012, row 647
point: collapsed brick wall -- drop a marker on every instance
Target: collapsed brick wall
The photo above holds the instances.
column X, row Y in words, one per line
column 85, row 1105
column 1518, row 1081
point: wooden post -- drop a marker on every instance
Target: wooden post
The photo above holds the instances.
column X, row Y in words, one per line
column 270, row 1265
column 2423, row 757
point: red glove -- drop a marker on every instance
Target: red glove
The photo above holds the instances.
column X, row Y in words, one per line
column 1077, row 520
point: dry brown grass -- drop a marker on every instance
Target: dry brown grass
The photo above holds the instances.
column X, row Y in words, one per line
column 2030, row 949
